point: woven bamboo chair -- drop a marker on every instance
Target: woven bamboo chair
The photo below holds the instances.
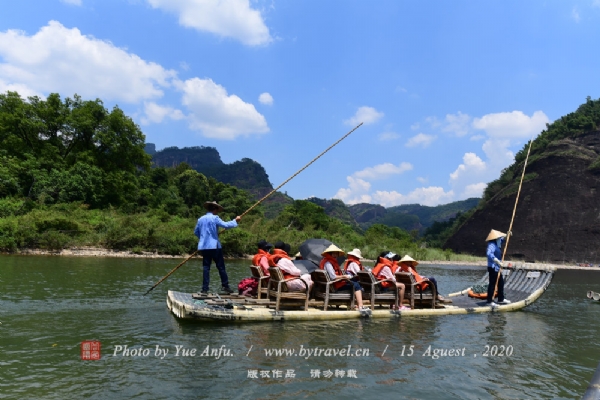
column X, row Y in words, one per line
column 258, row 274
column 413, row 292
column 278, row 289
column 324, row 289
column 374, row 292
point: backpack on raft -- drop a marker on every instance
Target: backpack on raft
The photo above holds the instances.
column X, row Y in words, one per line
column 479, row 292
column 248, row 287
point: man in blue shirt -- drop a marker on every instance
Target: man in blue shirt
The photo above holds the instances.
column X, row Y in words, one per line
column 494, row 252
column 210, row 246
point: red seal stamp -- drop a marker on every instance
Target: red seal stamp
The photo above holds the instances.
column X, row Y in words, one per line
column 90, row 350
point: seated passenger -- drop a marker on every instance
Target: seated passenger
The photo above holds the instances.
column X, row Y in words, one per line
column 281, row 259
column 261, row 259
column 353, row 264
column 408, row 264
column 384, row 270
column 331, row 266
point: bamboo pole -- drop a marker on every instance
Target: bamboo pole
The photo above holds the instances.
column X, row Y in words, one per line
column 261, row 200
column 509, row 233
column 302, row 169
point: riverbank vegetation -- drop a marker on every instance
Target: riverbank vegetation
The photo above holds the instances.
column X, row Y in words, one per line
column 73, row 173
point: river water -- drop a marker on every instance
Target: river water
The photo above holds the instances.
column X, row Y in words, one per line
column 50, row 305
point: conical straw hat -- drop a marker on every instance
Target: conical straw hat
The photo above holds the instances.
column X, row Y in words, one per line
column 494, row 234
column 332, row 249
column 213, row 203
column 409, row 260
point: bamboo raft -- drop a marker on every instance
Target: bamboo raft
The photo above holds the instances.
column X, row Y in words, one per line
column 524, row 284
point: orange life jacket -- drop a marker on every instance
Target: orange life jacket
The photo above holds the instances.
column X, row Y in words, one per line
column 274, row 258
column 258, row 256
column 420, row 284
column 352, row 259
column 336, row 268
column 395, row 267
column 471, row 293
column 383, row 262
column 256, row 259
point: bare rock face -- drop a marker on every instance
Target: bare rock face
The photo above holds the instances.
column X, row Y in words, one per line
column 558, row 214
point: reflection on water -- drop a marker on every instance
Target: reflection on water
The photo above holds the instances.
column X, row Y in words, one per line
column 48, row 305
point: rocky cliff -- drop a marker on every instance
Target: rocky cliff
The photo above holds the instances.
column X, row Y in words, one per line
column 244, row 174
column 558, row 214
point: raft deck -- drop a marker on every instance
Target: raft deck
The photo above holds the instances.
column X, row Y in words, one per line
column 523, row 285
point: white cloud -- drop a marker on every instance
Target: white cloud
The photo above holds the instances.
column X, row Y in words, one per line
column 23, row 90
column 217, row 114
column 497, row 152
column 503, row 130
column 58, row 59
column 427, row 196
column 356, row 192
column 386, row 136
column 474, row 190
column 73, row 2
column 422, row 179
column 514, row 125
column 366, row 115
column 596, row 3
column 415, row 126
column 499, row 132
column 383, row 171
column 265, row 98
column 154, row 113
column 457, row 123
column 420, row 139
column 469, row 176
column 359, row 185
column 472, row 164
column 575, row 15
column 228, row 18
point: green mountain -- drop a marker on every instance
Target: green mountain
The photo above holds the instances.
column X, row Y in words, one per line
column 335, row 208
column 244, row 174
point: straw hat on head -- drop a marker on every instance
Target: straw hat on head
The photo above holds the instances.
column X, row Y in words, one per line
column 208, row 204
column 332, row 249
column 409, row 260
column 494, row 234
column 356, row 253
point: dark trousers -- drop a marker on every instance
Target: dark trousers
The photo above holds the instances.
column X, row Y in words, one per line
column 432, row 279
column 492, row 285
column 207, row 258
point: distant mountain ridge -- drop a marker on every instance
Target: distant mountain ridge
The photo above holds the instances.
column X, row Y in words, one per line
column 249, row 175
column 408, row 217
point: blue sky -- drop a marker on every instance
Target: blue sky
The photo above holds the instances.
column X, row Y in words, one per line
column 448, row 91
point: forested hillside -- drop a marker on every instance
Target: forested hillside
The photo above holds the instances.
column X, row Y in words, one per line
column 73, row 173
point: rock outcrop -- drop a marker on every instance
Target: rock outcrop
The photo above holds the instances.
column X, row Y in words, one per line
column 558, row 214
